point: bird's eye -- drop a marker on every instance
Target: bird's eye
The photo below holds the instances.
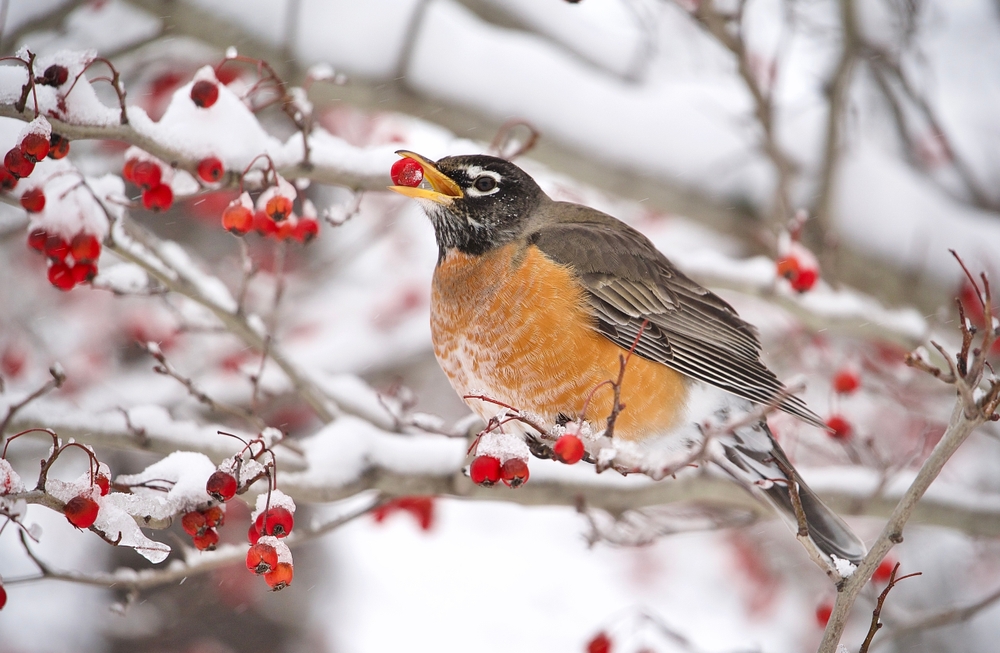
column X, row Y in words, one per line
column 485, row 183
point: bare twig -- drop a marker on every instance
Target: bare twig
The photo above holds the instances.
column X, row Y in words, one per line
column 877, row 612
column 58, row 377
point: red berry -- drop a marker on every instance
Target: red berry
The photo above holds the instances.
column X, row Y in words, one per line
column 601, row 643
column 568, row 449
column 406, row 172
column 35, row 146
column 54, row 75
column 128, row 170
column 83, row 272
column 262, row 559
column 103, row 483
column 81, row 511
column 823, row 612
column 58, row 146
column 214, row 516
column 3, row 597
column 263, row 224
column 281, row 577
column 788, row 267
column 7, row 180
column 253, row 534
column 514, row 472
column 33, row 200
column 145, row 174
column 207, row 541
column 85, row 247
column 485, row 470
column 204, row 93
column 210, row 169
column 56, row 248
column 158, row 198
column 284, row 230
column 237, row 219
column 305, row 230
column 37, row 240
column 884, row 571
column 276, row 521
column 194, row 523
column 221, row 485
column 61, row 276
column 805, row 280
column 18, row 164
column 278, row 208
column 841, row 427
column 845, row 382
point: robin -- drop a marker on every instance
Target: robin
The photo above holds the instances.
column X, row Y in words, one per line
column 534, row 301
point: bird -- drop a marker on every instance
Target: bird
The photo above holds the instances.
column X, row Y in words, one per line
column 535, row 301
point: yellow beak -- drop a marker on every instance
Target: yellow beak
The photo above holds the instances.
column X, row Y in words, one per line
column 445, row 190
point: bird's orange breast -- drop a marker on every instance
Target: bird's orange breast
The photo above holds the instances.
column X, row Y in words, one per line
column 515, row 326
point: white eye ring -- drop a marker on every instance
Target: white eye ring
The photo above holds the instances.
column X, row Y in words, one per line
column 487, row 178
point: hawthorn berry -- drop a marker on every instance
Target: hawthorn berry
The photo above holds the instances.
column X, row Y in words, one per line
column 56, row 248
column 37, row 239
column 280, row 577
column 210, row 169
column 237, row 219
column 262, row 558
column 33, row 200
column 221, row 485
column 7, row 180
column 128, row 169
column 103, row 483
column 823, row 612
column 58, row 146
column 204, row 93
column 194, row 523
column 3, row 597
column 145, row 174
column 805, row 280
column 35, row 147
column 514, row 472
column 841, row 427
column 305, row 230
column 61, row 276
column 158, row 198
column 85, row 247
column 207, row 541
column 18, row 164
column 214, row 516
column 406, row 172
column 601, row 643
column 284, row 230
column 81, row 511
column 568, row 449
column 422, row 509
column 845, row 382
column 83, row 272
column 485, row 470
column 883, row 572
column 277, row 521
column 54, row 75
column 264, row 225
column 253, row 534
column 278, row 208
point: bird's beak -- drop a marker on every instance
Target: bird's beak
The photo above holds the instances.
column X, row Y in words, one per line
column 445, row 191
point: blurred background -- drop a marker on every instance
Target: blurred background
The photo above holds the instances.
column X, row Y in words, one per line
column 707, row 125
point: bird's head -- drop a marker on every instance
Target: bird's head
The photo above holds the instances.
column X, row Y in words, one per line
column 476, row 202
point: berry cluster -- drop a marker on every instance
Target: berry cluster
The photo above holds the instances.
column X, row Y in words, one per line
column 274, row 216
column 36, row 143
column 268, row 555
column 71, row 262
column 148, row 174
column 795, row 262
column 488, row 471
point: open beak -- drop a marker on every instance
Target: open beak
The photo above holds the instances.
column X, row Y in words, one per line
column 445, row 191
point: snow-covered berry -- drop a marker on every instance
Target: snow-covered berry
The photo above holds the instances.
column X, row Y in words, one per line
column 280, row 577
column 35, row 146
column 221, row 486
column 145, row 174
column 277, row 521
column 568, row 449
column 61, row 276
column 514, row 472
column 237, row 219
column 54, row 75
column 485, row 470
column 56, row 248
column 278, row 208
column 85, row 247
column 204, row 93
column 406, row 172
column 262, row 558
column 81, row 511
column 103, row 484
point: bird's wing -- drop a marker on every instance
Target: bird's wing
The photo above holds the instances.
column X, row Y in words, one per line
column 690, row 329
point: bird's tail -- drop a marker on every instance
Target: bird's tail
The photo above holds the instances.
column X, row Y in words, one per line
column 754, row 458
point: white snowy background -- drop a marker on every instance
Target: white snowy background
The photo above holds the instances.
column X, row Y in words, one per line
column 631, row 87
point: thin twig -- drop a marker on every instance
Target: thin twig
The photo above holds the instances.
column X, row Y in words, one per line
column 58, row 378
column 877, row 612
